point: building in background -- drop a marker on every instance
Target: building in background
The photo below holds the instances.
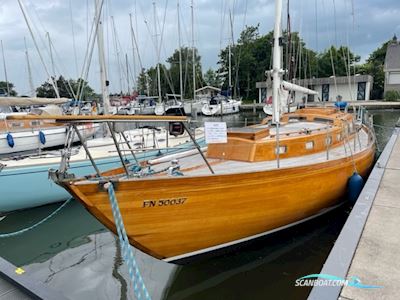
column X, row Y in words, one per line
column 351, row 88
column 207, row 91
column 392, row 66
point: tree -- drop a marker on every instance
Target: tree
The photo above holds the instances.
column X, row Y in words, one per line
column 250, row 58
column 4, row 87
column 374, row 67
column 143, row 81
column 153, row 81
column 211, row 78
column 187, row 71
column 341, row 59
column 65, row 88
column 170, row 77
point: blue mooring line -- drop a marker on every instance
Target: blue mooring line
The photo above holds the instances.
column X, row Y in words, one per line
column 134, row 273
column 19, row 232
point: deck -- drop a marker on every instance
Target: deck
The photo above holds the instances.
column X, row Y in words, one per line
column 194, row 165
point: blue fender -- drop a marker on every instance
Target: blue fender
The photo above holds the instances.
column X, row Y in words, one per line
column 355, row 185
column 42, row 137
column 10, row 140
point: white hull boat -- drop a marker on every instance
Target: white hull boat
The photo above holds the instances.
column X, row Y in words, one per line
column 193, row 107
column 34, row 139
column 32, row 171
column 221, row 107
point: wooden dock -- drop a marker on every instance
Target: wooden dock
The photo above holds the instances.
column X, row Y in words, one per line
column 16, row 284
column 369, row 243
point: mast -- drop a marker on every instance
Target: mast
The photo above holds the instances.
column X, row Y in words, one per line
column 103, row 74
column 33, row 92
column 230, row 70
column 193, row 53
column 52, row 59
column 51, row 54
column 119, row 62
column 277, row 68
column 289, row 61
column 230, row 54
column 5, row 69
column 127, row 73
column 180, row 53
column 133, row 52
column 157, row 53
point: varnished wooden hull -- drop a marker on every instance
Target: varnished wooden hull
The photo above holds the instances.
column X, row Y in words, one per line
column 172, row 217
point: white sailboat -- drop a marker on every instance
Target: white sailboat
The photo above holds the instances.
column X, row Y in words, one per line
column 21, row 136
column 223, row 105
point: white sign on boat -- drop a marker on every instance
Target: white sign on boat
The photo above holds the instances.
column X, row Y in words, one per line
column 215, row 132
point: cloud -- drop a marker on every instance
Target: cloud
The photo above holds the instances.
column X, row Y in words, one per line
column 319, row 22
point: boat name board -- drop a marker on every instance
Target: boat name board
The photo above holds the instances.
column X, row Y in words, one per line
column 163, row 202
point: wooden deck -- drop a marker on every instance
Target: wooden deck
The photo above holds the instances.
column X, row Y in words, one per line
column 194, row 165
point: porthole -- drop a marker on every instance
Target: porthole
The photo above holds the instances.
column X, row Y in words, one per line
column 282, row 150
column 310, row 145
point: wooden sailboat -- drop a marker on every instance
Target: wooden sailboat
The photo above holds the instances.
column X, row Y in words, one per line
column 247, row 195
column 267, row 177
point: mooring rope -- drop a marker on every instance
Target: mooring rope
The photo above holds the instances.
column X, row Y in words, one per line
column 19, row 232
column 139, row 287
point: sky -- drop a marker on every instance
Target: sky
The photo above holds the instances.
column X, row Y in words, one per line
column 363, row 25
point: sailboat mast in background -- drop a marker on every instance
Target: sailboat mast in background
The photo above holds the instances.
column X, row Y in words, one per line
column 157, row 53
column 5, row 69
column 103, row 72
column 32, row 88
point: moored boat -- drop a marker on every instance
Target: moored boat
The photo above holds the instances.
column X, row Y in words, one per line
column 221, row 105
column 264, row 178
column 29, row 135
column 25, row 182
column 255, row 187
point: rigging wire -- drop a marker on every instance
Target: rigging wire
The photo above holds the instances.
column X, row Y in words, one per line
column 60, row 67
column 117, row 52
column 330, row 51
column 73, row 37
column 134, row 42
column 90, row 48
column 237, row 62
column 37, row 47
column 316, row 37
column 5, row 69
column 334, row 22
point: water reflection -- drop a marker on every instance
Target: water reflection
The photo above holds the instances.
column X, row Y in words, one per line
column 267, row 267
column 74, row 254
column 69, row 229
